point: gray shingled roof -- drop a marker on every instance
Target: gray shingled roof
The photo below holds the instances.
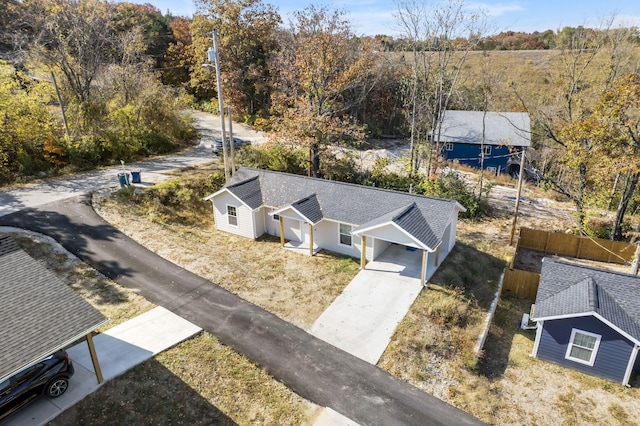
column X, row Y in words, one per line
column 566, row 288
column 348, row 203
column 309, row 207
column 39, row 314
column 248, row 191
column 501, row 128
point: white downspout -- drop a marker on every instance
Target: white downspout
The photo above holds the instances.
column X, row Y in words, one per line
column 536, row 344
column 632, row 362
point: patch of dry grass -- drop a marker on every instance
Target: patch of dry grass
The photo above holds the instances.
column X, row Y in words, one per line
column 198, row 382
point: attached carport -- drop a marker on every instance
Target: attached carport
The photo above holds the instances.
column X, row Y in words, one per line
column 39, row 313
column 406, row 227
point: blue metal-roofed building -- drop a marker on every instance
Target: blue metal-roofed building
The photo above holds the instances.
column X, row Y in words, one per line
column 462, row 138
column 588, row 319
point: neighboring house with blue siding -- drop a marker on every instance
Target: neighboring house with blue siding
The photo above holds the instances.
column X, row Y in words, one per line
column 311, row 214
column 588, row 319
column 492, row 141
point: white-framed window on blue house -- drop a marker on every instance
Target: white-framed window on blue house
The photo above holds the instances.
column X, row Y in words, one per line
column 486, row 150
column 583, row 346
column 345, row 234
column 232, row 215
column 448, row 146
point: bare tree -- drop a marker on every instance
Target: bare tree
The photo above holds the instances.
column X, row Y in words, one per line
column 441, row 38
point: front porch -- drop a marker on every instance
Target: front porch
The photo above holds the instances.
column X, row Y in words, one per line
column 301, row 247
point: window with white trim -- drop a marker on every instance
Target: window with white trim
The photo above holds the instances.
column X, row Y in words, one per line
column 583, row 346
column 345, row 234
column 276, row 217
column 448, row 146
column 486, row 149
column 232, row 215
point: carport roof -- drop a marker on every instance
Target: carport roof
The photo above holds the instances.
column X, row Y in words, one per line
column 38, row 312
column 410, row 219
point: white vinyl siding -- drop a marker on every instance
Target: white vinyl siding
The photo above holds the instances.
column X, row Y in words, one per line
column 583, row 346
column 326, row 234
column 379, row 246
column 345, row 235
column 245, row 216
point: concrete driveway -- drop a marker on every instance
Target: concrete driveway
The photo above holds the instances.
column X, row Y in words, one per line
column 363, row 318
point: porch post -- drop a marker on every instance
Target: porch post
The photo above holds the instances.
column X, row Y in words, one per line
column 423, row 268
column 281, row 231
column 311, row 238
column 94, row 358
column 363, row 255
column 437, row 260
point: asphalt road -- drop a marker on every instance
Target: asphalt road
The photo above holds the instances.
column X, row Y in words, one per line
column 312, row 368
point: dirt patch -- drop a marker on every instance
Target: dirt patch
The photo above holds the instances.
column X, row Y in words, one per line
column 528, row 260
column 531, row 260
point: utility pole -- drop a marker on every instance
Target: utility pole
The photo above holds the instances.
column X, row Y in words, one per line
column 64, row 116
column 214, row 57
column 231, row 143
column 515, row 214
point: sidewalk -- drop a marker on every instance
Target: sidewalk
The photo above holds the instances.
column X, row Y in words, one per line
column 119, row 349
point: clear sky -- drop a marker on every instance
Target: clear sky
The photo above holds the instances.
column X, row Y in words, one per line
column 370, row 17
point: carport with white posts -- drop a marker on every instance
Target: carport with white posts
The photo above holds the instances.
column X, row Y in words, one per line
column 384, row 235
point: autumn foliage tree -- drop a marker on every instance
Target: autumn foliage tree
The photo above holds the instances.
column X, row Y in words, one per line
column 27, row 126
column 103, row 55
column 323, row 72
column 607, row 143
column 247, row 39
column 587, row 67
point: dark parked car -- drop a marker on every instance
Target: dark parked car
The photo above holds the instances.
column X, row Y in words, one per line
column 49, row 377
column 217, row 144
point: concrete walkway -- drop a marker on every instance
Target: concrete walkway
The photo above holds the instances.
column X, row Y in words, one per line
column 119, row 349
column 362, row 320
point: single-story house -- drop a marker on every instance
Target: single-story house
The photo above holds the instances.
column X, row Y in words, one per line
column 39, row 313
column 588, row 319
column 505, row 135
column 311, row 214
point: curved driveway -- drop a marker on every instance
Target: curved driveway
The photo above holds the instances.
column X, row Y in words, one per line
column 312, row 368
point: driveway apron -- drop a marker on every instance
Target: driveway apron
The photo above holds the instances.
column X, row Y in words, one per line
column 363, row 318
column 309, row 366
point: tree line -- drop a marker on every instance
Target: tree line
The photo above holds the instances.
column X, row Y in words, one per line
column 125, row 72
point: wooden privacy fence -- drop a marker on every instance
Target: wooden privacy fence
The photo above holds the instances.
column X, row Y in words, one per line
column 525, row 283
column 576, row 246
column 522, row 283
